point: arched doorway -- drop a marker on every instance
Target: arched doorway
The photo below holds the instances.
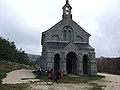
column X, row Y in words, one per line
column 85, row 64
column 71, row 63
column 56, row 62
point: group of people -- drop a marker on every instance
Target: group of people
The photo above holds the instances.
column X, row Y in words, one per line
column 41, row 71
column 50, row 73
column 54, row 74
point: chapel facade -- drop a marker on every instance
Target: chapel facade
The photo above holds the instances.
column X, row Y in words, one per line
column 65, row 47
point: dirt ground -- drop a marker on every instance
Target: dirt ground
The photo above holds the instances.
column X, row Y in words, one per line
column 16, row 76
column 55, row 86
column 111, row 82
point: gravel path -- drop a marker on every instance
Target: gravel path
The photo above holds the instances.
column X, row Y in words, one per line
column 44, row 86
column 15, row 77
column 112, row 82
column 19, row 76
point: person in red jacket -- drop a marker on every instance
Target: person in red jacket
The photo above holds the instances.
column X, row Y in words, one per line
column 50, row 73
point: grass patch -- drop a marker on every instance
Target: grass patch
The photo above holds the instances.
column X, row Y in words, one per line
column 77, row 80
column 72, row 80
column 2, row 74
column 14, row 87
column 81, row 79
column 96, row 86
column 10, row 66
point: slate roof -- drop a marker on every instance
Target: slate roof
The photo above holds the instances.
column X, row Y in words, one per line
column 56, row 45
column 83, row 46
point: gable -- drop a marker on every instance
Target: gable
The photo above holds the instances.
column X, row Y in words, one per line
column 56, row 33
column 61, row 24
column 71, row 46
column 80, row 28
column 53, row 27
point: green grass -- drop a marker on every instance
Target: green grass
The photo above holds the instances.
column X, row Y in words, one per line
column 14, row 87
column 10, row 66
column 77, row 80
column 72, row 80
column 96, row 86
column 2, row 74
column 81, row 79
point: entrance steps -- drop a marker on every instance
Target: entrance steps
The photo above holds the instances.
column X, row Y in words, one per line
column 73, row 75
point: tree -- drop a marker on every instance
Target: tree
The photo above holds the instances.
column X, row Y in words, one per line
column 9, row 52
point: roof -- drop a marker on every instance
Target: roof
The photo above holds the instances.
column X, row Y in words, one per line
column 56, row 45
column 67, row 4
column 84, row 46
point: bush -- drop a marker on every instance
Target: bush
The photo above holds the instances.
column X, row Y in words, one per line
column 108, row 65
column 2, row 74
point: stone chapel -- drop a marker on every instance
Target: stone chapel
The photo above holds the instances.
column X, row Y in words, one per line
column 65, row 47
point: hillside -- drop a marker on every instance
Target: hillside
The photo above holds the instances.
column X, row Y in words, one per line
column 9, row 52
column 33, row 57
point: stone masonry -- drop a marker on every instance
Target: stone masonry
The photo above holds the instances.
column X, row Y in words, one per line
column 65, row 47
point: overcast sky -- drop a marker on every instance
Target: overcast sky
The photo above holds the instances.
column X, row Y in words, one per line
column 23, row 21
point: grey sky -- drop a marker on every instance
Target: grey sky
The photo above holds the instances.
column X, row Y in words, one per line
column 23, row 21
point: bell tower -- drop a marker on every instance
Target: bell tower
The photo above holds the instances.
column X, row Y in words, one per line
column 67, row 11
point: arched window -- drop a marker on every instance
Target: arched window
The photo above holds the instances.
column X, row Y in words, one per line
column 56, row 38
column 79, row 39
column 69, row 35
column 65, row 35
column 85, row 64
column 56, row 62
